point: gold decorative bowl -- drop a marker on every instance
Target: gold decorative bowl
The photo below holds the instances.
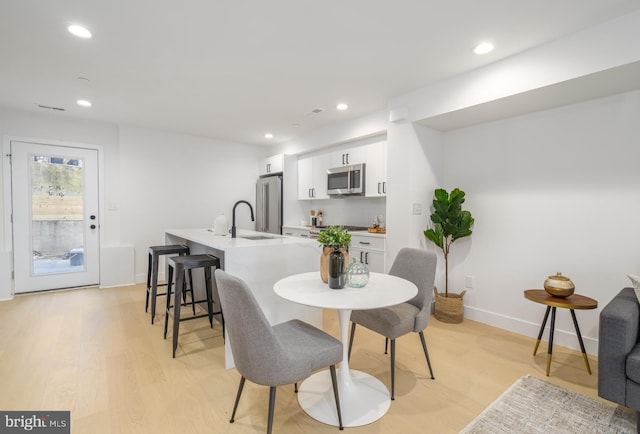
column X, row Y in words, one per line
column 559, row 286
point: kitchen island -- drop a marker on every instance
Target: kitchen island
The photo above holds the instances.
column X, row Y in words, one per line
column 260, row 260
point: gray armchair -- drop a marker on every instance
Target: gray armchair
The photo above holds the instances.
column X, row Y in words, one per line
column 619, row 350
column 417, row 266
column 272, row 356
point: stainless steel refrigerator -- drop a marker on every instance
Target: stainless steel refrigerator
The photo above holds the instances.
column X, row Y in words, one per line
column 269, row 204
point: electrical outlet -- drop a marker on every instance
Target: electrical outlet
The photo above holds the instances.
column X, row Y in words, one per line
column 468, row 282
column 417, row 209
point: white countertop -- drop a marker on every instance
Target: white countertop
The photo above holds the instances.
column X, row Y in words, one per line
column 358, row 233
column 206, row 237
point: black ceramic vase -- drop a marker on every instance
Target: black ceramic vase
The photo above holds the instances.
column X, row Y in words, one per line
column 336, row 269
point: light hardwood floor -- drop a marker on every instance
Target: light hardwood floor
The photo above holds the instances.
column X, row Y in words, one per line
column 95, row 353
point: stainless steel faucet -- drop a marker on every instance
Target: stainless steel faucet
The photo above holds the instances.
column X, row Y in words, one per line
column 233, row 216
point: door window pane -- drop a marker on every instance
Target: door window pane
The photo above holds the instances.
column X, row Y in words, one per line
column 57, row 210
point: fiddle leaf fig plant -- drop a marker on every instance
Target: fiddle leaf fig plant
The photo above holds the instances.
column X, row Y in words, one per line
column 334, row 236
column 449, row 223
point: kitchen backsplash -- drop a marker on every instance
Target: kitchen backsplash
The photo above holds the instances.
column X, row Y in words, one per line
column 357, row 211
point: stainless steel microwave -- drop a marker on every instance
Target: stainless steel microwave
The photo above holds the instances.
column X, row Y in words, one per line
column 346, row 180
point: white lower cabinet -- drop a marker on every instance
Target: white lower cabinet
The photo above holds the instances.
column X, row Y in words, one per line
column 295, row 232
column 368, row 250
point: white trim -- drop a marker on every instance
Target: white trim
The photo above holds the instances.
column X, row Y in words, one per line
column 7, row 189
column 565, row 338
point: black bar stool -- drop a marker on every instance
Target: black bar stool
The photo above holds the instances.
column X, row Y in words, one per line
column 182, row 264
column 152, row 273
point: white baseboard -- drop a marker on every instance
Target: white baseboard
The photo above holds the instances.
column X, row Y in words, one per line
column 565, row 338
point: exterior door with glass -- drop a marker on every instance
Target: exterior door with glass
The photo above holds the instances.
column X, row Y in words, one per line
column 56, row 237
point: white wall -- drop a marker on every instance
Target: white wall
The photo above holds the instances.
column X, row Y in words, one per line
column 343, row 132
column 599, row 48
column 557, row 190
column 152, row 181
column 178, row 181
column 60, row 128
column 414, row 170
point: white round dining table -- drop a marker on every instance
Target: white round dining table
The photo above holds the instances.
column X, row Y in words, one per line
column 363, row 398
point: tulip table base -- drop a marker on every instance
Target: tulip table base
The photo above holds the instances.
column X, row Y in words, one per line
column 363, row 398
column 367, row 397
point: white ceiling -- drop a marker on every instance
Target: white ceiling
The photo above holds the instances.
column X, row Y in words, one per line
column 236, row 69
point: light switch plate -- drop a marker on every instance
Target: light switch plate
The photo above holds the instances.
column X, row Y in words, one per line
column 468, row 282
column 417, row 209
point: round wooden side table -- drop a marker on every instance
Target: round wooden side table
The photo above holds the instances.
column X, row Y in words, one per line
column 573, row 302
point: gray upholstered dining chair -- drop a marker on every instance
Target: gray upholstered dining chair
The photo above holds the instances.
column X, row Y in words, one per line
column 417, row 266
column 272, row 355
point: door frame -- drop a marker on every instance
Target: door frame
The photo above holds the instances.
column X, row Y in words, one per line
column 7, row 202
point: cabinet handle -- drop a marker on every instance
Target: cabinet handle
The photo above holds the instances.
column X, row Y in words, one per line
column 361, row 257
column 366, row 243
column 268, row 167
column 343, row 163
column 366, row 258
column 309, row 193
column 379, row 185
column 313, row 192
column 288, row 233
column 384, row 187
column 347, row 158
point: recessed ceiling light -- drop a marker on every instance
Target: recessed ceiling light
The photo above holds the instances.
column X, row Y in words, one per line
column 483, row 48
column 342, row 106
column 79, row 31
column 268, row 136
column 83, row 103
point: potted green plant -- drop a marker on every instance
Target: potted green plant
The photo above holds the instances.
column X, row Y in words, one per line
column 333, row 237
column 449, row 222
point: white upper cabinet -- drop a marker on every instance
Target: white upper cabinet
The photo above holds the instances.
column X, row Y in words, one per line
column 312, row 171
column 312, row 177
column 349, row 156
column 376, row 169
column 374, row 156
column 271, row 165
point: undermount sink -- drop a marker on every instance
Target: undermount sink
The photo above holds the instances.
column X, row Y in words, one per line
column 257, row 237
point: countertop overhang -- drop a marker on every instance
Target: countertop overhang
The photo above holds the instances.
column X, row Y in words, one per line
column 206, row 237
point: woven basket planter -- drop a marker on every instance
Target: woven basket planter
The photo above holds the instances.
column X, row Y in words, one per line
column 449, row 309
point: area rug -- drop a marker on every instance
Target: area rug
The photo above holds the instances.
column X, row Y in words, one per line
column 532, row 405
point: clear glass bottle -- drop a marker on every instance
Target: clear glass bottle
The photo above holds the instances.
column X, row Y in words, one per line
column 357, row 274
